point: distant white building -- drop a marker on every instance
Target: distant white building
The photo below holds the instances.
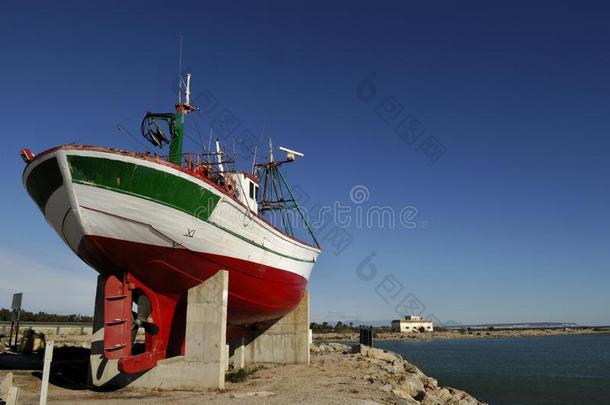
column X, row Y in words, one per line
column 412, row 323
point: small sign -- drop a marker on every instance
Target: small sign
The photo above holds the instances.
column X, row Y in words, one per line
column 17, row 298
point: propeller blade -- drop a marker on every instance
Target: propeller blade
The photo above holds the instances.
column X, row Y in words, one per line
column 144, row 308
column 150, row 328
column 134, row 327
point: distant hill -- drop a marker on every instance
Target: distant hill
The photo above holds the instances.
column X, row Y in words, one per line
column 456, row 325
column 520, row 325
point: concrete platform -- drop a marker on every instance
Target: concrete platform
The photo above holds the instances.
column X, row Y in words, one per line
column 206, row 357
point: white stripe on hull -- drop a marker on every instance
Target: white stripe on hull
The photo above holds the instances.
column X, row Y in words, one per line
column 107, row 213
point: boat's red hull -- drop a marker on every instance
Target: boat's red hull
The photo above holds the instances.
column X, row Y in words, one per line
column 256, row 292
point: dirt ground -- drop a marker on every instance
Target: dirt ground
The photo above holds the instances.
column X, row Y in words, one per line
column 337, row 375
column 331, row 378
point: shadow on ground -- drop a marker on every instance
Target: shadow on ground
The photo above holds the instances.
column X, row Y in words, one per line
column 68, row 369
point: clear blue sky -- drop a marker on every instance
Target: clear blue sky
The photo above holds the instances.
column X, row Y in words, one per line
column 512, row 221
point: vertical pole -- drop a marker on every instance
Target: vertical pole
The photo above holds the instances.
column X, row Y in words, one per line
column 48, row 357
column 17, row 327
column 10, row 336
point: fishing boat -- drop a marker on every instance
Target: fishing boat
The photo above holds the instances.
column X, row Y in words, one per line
column 154, row 226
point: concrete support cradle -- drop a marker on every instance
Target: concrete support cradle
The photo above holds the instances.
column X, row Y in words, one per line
column 205, row 359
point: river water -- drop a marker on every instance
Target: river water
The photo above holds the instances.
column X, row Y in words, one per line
column 525, row 370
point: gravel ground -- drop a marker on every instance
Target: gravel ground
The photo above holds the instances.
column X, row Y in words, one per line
column 335, row 376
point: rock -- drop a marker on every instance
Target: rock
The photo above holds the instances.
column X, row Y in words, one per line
column 398, row 366
column 430, row 382
column 444, row 394
column 392, row 369
column 339, row 347
column 386, row 388
column 410, row 368
column 400, row 393
column 459, row 394
column 412, row 386
column 261, row 394
column 429, row 399
column 378, row 354
column 406, row 401
column 313, row 348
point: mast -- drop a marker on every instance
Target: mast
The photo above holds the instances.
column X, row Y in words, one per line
column 182, row 109
column 277, row 195
column 270, row 151
column 219, row 157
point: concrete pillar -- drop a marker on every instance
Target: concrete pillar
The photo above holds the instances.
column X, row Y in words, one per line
column 286, row 341
column 239, row 356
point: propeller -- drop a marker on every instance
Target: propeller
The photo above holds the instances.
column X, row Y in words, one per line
column 141, row 318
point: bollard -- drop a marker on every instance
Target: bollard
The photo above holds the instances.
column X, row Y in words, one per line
column 366, row 336
column 48, row 357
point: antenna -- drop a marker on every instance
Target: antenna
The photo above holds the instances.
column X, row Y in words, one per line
column 254, row 160
column 219, row 156
column 270, row 150
column 290, row 154
column 187, row 93
column 180, row 73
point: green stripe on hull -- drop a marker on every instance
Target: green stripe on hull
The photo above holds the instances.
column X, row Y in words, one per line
column 145, row 182
column 42, row 181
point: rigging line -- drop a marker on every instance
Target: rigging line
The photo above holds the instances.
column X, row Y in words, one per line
column 287, row 212
column 192, row 139
column 124, row 130
column 277, row 197
column 133, row 116
column 199, row 133
column 303, row 217
column 264, row 127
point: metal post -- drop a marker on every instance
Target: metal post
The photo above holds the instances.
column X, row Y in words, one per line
column 366, row 336
column 48, row 357
column 17, row 328
column 16, row 312
column 10, row 336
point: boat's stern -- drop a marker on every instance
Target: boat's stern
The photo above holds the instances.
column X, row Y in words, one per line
column 48, row 181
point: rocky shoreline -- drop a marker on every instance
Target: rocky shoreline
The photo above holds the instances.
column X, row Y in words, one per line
column 390, row 373
column 460, row 334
